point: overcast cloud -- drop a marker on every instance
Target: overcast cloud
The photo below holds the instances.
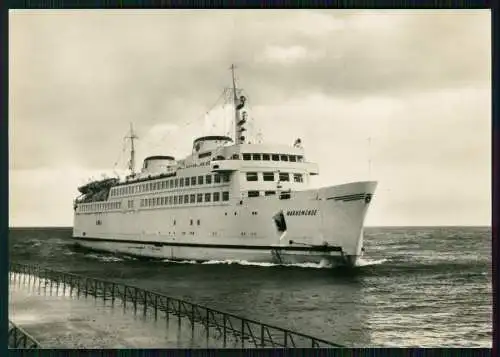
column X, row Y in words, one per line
column 417, row 83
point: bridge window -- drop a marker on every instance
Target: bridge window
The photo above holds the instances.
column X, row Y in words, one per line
column 275, row 157
column 247, row 157
column 199, row 197
column 208, row 179
column 284, row 157
column 216, row 196
column 256, row 157
column 252, row 176
column 207, row 197
column 269, row 193
column 192, row 198
column 186, row 198
column 175, row 199
column 186, row 181
column 268, row 176
column 253, row 194
column 235, row 157
column 217, row 178
column 265, row 157
column 225, row 177
column 176, row 182
column 181, row 182
column 200, row 180
column 193, row 181
column 284, row 176
column 225, row 196
column 298, row 178
column 293, row 158
column 300, row 158
column 157, row 201
column 170, row 200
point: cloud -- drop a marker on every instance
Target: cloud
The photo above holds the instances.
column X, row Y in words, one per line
column 416, row 82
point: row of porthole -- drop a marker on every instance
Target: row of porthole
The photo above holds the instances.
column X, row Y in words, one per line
column 254, row 213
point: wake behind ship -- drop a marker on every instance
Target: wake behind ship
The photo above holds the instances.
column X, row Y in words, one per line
column 230, row 199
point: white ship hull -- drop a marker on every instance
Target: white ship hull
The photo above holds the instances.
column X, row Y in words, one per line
column 323, row 226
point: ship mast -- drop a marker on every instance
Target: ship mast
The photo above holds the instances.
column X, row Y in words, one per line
column 239, row 120
column 132, row 137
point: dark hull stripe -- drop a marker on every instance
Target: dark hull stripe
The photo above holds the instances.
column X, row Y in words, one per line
column 354, row 197
column 317, row 248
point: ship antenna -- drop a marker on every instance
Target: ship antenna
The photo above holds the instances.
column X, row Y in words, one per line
column 239, row 103
column 132, row 137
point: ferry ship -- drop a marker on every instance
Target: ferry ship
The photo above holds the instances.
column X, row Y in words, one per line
column 230, row 199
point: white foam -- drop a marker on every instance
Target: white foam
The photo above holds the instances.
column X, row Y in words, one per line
column 362, row 262
column 321, row 265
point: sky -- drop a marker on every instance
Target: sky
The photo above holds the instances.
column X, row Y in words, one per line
column 401, row 97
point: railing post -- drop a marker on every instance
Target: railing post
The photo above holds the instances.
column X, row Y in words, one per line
column 156, row 306
column 86, row 287
column 135, row 300
column 224, row 328
column 113, row 286
column 262, row 343
column 286, row 338
column 242, row 333
column 207, row 323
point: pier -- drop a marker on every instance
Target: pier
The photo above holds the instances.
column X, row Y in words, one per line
column 145, row 318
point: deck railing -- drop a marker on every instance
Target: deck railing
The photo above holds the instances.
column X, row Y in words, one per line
column 18, row 338
column 220, row 324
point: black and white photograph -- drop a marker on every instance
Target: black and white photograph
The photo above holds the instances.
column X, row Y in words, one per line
column 228, row 179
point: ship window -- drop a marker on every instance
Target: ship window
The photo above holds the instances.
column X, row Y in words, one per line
column 200, row 180
column 284, row 176
column 174, row 222
column 269, row 193
column 192, row 198
column 253, row 193
column 207, row 197
column 191, row 222
column 199, row 197
column 298, row 178
column 225, row 196
column 225, row 177
column 181, row 182
column 171, row 183
column 216, row 196
column 186, row 181
column 150, row 186
column 293, row 158
column 217, row 178
column 157, row 201
column 193, row 181
column 256, row 156
column 268, row 176
column 300, row 158
column 149, row 202
column 284, row 157
column 235, row 157
column 265, row 157
column 252, row 176
column 164, row 184
column 275, row 157
column 175, row 199
column 170, row 200
column 186, row 198
column 198, row 222
column 247, row 157
column 163, row 201
column 208, row 179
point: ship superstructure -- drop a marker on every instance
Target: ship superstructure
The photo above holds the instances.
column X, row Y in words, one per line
column 228, row 200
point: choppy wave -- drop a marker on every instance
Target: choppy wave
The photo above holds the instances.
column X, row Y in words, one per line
column 395, row 296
